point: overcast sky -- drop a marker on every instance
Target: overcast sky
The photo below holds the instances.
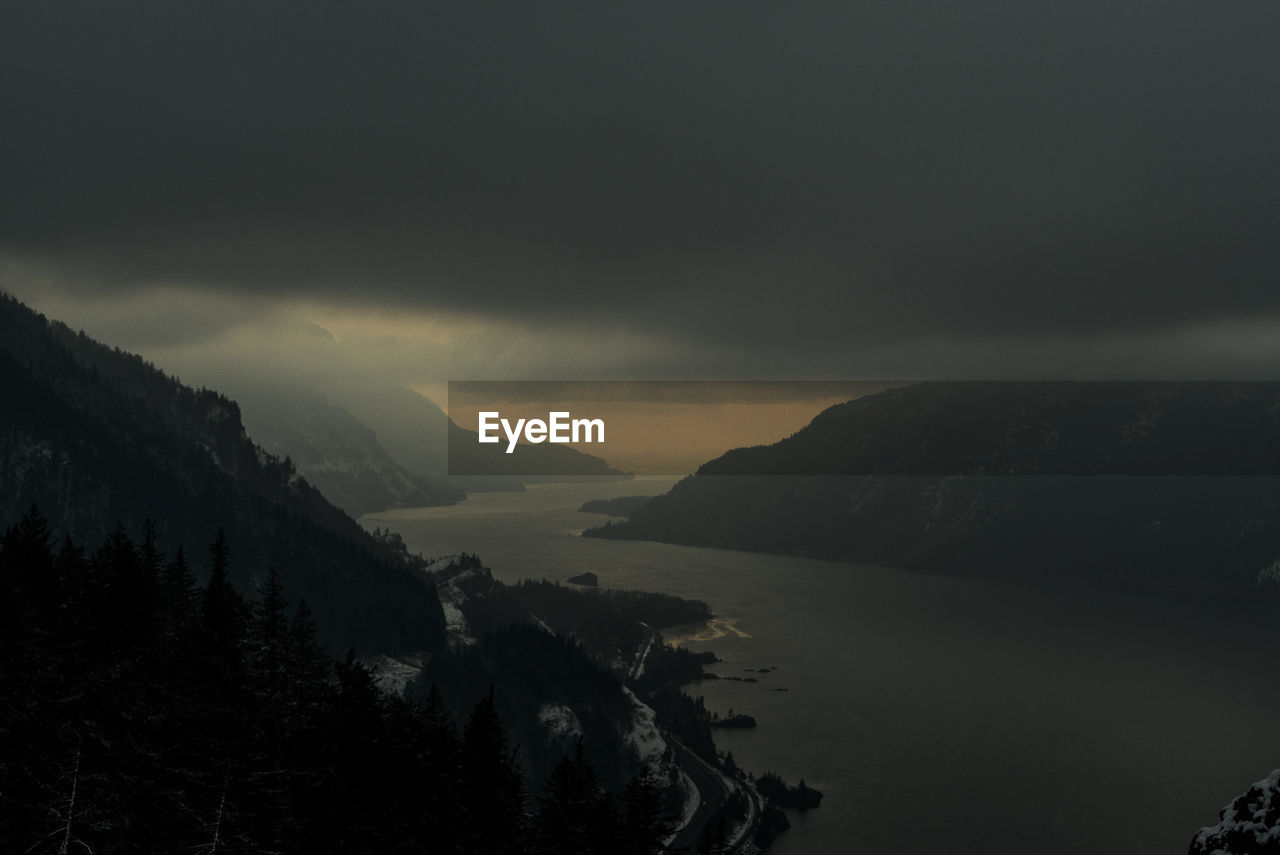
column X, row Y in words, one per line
column 429, row 191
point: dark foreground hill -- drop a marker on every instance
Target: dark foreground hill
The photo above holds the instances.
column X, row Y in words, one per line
column 145, row 713
column 1163, row 485
column 94, row 436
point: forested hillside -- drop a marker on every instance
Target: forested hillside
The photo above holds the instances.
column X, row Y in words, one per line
column 337, row 453
column 1156, row 485
column 143, row 712
column 95, row 436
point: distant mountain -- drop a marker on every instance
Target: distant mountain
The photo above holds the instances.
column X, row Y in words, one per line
column 338, row 454
column 529, row 462
column 410, row 426
column 95, row 436
column 1165, row 485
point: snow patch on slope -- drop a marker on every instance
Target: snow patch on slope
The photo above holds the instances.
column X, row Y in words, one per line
column 643, row 734
column 691, row 800
column 457, row 577
column 1250, row 824
column 560, row 721
column 1270, row 573
column 391, row 674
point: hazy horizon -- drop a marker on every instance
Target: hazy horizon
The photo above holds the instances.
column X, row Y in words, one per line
column 740, row 192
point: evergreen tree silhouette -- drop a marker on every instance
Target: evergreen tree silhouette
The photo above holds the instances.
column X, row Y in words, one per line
column 567, row 819
column 492, row 788
column 645, row 824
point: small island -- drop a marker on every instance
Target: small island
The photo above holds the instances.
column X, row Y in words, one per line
column 587, row 580
column 800, row 797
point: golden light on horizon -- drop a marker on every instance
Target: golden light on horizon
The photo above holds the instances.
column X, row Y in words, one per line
column 672, row 431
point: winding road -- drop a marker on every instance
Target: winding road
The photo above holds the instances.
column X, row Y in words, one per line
column 714, row 787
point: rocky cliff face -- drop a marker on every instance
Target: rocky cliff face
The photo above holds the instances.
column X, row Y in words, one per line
column 1250, row 825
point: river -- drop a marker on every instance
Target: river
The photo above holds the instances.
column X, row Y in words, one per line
column 937, row 714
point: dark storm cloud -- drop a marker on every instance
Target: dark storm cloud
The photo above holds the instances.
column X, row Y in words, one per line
column 757, row 174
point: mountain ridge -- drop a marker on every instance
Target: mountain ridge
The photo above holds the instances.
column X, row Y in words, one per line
column 337, row 452
column 1166, row 486
column 96, row 436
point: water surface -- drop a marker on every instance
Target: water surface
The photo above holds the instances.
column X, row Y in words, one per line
column 937, row 714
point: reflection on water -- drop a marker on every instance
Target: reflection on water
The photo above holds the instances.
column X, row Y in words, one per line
column 937, row 714
column 708, row 630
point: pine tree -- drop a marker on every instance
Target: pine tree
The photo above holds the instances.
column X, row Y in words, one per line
column 711, row 840
column 26, row 770
column 269, row 639
column 310, row 666
column 72, row 569
column 127, row 591
column 357, row 719
column 267, row 666
column 220, row 553
column 351, row 800
column 178, row 598
column 492, row 788
column 566, row 822
column 149, row 553
column 224, row 616
column 644, row 821
column 27, row 570
column 440, row 737
column 604, row 828
column 437, row 750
